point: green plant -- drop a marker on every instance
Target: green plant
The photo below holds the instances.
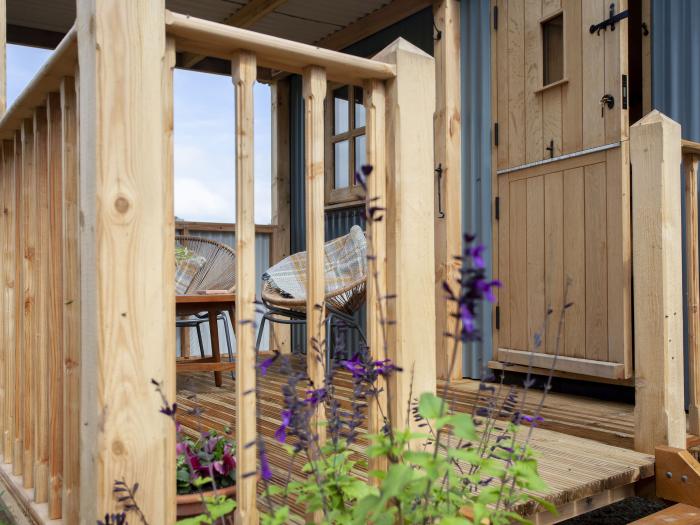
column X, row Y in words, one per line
column 206, row 463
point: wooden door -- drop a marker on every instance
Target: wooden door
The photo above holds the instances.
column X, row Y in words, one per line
column 561, row 179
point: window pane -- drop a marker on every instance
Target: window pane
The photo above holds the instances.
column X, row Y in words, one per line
column 360, row 152
column 341, row 110
column 359, row 107
column 553, row 49
column 341, row 164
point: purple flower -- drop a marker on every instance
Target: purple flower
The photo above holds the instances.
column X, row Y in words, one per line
column 314, row 397
column 485, row 288
column 467, row 318
column 265, row 470
column 267, row 363
column 354, row 366
column 476, row 254
column 281, row 432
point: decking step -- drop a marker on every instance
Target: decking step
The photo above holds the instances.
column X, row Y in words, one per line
column 678, row 514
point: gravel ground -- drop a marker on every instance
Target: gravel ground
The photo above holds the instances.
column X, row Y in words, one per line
column 620, row 513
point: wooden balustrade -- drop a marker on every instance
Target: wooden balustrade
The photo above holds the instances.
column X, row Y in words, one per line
column 87, row 275
column 40, row 386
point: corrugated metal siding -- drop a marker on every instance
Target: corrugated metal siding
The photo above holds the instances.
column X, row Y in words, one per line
column 476, row 153
column 675, row 59
column 262, row 263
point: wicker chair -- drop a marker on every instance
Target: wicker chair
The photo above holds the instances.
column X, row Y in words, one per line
column 341, row 305
column 217, row 273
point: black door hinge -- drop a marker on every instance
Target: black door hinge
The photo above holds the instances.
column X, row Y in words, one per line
column 610, row 22
column 498, row 318
column 497, row 208
column 624, row 91
column 495, row 134
column 495, row 18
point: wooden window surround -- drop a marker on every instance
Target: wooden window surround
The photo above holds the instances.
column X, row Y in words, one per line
column 552, row 39
column 344, row 144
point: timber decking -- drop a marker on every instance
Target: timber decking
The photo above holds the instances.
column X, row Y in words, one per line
column 573, row 467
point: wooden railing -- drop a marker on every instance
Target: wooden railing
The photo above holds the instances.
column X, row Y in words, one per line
column 86, row 179
column 40, row 291
column 691, row 163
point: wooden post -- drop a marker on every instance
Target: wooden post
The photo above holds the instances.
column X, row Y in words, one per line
column 16, row 437
column 690, row 171
column 71, row 301
column 39, row 385
column 281, row 198
column 127, row 270
column 655, row 149
column 8, row 290
column 55, row 307
column 410, row 103
column 314, row 92
column 244, row 71
column 5, row 180
column 448, row 155
column 29, row 279
column 375, row 104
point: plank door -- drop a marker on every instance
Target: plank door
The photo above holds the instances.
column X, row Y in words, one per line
column 561, row 177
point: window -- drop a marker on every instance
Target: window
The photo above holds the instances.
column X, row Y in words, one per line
column 553, row 49
column 345, row 143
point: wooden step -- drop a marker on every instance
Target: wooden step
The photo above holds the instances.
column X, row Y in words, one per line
column 678, row 514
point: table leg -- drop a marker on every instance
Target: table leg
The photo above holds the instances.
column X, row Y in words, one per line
column 215, row 352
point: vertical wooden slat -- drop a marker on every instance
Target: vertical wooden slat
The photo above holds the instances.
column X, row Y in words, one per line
column 410, row 101
column 551, row 122
column 375, row 104
column 516, row 83
column 314, row 91
column 5, row 180
column 690, row 167
column 553, row 255
column 619, row 244
column 243, row 71
column 9, row 312
column 504, row 298
column 572, row 91
column 593, row 11
column 655, row 153
column 596, row 263
column 500, row 62
column 533, row 81
column 448, row 229
column 39, row 386
column 29, row 279
column 617, row 118
column 55, row 308
column 281, row 196
column 575, row 263
column 127, row 271
column 519, row 338
column 71, row 301
column 535, row 263
column 18, row 447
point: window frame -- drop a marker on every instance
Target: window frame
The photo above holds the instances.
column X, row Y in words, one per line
column 350, row 195
column 543, row 22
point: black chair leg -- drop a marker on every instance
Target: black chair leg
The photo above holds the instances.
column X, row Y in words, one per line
column 228, row 343
column 329, row 341
column 260, row 334
column 201, row 343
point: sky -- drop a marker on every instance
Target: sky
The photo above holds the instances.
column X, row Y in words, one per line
column 204, row 139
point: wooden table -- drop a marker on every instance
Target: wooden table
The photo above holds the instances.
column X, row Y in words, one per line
column 213, row 304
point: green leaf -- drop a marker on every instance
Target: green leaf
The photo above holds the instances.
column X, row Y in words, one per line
column 194, row 520
column 454, row 520
column 430, row 406
column 219, row 506
column 463, row 426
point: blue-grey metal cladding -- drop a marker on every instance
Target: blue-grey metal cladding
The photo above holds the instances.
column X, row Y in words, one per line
column 476, row 154
column 675, row 57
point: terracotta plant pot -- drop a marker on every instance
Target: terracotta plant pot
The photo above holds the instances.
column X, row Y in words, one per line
column 191, row 504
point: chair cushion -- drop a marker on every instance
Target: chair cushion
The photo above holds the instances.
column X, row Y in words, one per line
column 345, row 262
column 185, row 271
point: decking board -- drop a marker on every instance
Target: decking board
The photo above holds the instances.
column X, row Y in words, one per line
column 572, row 466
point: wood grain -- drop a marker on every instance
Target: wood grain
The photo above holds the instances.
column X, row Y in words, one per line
column 593, row 75
column 516, row 83
column 553, row 258
column 535, row 257
column 690, row 176
column 18, row 379
column 575, row 262
column 519, row 335
column 572, row 91
column 71, row 300
column 127, row 274
column 655, row 153
column 8, row 291
column 243, row 71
